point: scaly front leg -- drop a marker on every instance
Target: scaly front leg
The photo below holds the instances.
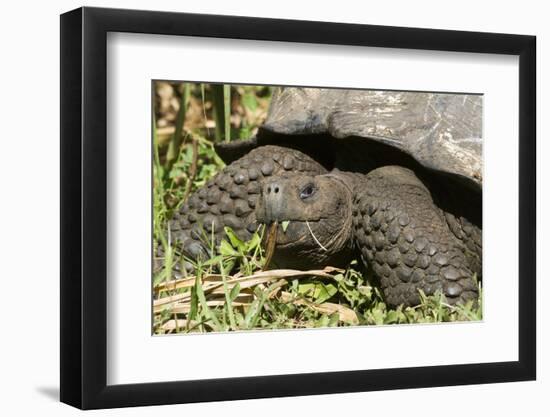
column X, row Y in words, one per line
column 406, row 240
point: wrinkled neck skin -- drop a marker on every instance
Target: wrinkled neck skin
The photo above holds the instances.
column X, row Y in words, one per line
column 319, row 231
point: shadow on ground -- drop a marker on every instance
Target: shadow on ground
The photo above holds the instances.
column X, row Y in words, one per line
column 50, row 392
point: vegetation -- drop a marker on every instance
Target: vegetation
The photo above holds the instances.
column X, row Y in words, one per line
column 230, row 291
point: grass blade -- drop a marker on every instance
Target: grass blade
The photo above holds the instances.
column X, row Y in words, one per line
column 204, row 305
column 227, row 111
column 221, row 100
column 175, row 143
column 228, row 300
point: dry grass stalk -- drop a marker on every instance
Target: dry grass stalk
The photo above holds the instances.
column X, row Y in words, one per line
column 172, row 325
column 346, row 314
column 213, row 286
column 240, row 301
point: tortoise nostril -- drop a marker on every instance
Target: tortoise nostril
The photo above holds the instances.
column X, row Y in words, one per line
column 272, row 206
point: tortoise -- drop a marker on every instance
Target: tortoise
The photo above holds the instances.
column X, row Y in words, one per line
column 393, row 178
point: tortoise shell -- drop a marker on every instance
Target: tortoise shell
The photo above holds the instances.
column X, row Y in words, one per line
column 441, row 131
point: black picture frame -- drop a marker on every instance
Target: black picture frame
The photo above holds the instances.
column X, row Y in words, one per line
column 84, row 207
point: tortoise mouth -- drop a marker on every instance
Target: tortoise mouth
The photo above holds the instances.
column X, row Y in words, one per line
column 299, row 248
column 293, row 234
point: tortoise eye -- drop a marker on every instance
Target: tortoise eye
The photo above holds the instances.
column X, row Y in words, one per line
column 307, row 191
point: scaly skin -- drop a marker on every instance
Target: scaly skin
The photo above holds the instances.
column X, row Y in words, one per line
column 407, row 241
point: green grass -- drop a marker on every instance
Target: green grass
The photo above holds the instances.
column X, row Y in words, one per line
column 230, row 292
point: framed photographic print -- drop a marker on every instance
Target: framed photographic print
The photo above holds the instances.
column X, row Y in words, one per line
column 259, row 208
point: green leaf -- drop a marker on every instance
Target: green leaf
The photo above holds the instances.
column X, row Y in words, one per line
column 306, row 288
column 249, row 101
column 328, row 290
column 204, row 305
column 339, row 277
column 228, row 299
column 366, row 291
column 229, row 263
column 284, row 225
column 254, row 242
column 226, row 249
column 236, row 242
column 240, row 319
column 320, row 292
column 378, row 316
column 194, row 304
column 235, row 291
column 391, row 317
column 323, row 321
column 250, row 313
column 334, row 318
column 216, row 259
column 245, row 132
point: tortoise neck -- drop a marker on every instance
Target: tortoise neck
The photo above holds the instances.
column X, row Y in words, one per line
column 347, row 179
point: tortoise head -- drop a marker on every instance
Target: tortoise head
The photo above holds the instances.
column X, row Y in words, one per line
column 314, row 216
